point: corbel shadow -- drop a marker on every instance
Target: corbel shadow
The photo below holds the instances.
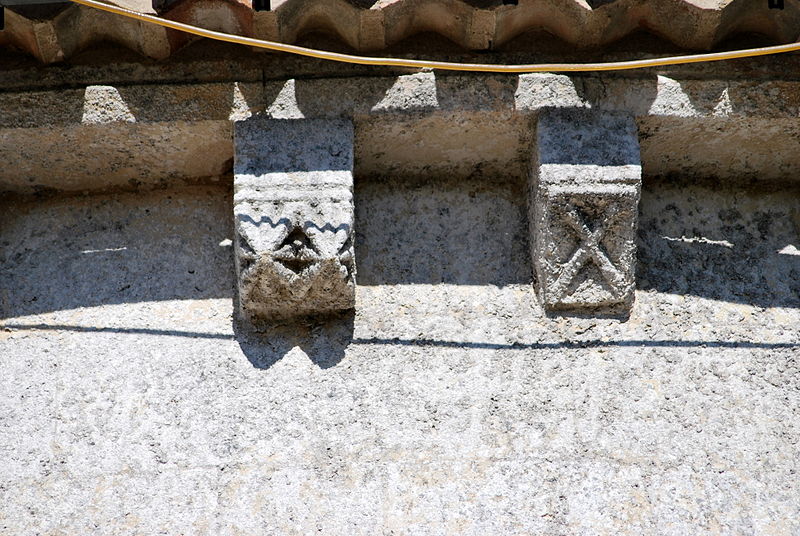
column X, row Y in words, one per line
column 323, row 339
column 337, row 97
column 475, row 92
column 617, row 93
column 217, row 101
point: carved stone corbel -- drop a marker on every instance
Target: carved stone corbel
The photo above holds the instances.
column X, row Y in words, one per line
column 585, row 186
column 293, row 205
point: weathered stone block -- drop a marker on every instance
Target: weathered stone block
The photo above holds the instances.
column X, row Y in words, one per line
column 293, row 204
column 584, row 192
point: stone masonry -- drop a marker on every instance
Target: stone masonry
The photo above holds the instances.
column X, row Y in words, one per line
column 585, row 185
column 497, row 376
column 133, row 402
column 293, row 206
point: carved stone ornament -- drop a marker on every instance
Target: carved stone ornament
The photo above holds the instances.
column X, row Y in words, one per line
column 585, row 188
column 293, row 207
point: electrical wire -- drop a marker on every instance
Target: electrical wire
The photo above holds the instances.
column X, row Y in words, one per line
column 443, row 65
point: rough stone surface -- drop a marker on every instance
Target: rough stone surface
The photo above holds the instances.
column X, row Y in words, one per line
column 134, row 401
column 293, row 208
column 131, row 402
column 108, row 156
column 139, row 134
column 584, row 193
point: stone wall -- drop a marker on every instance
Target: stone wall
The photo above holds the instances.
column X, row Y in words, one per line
column 134, row 399
column 134, row 402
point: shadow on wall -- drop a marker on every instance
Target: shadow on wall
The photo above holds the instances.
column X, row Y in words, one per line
column 66, row 253
column 466, row 232
column 725, row 244
column 324, row 340
column 59, row 254
column 718, row 243
column 75, row 252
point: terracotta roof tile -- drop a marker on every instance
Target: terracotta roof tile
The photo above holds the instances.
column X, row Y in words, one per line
column 372, row 25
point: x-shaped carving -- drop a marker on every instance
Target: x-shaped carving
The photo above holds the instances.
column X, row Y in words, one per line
column 588, row 249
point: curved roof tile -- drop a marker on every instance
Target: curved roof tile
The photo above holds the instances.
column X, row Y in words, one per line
column 53, row 34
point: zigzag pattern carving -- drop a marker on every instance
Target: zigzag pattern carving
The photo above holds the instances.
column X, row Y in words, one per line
column 369, row 26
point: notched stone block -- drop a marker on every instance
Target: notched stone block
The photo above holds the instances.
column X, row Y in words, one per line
column 585, row 187
column 293, row 204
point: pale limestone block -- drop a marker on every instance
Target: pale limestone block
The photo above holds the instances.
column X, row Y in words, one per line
column 585, row 186
column 293, row 204
column 104, row 104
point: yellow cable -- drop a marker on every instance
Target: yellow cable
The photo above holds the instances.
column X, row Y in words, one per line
column 428, row 64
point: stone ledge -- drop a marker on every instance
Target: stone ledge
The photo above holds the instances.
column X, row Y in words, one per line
column 420, row 92
column 415, row 123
